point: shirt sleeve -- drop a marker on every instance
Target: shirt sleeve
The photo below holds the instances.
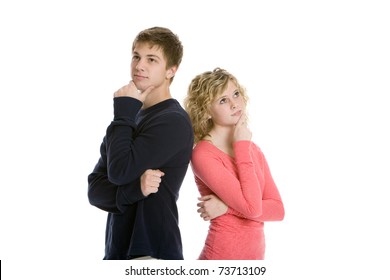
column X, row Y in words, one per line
column 120, row 149
column 242, row 192
column 130, row 154
column 127, row 153
column 103, row 194
column 273, row 208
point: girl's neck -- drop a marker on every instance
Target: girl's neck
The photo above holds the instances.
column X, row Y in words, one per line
column 222, row 139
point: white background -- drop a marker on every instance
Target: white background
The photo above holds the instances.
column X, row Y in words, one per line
column 317, row 73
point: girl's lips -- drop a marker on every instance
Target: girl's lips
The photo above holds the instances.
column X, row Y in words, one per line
column 237, row 114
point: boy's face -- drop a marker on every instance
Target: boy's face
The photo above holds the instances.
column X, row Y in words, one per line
column 148, row 67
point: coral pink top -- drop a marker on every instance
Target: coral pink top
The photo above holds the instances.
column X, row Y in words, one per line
column 245, row 184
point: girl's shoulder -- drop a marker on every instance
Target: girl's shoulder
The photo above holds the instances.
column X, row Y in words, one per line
column 203, row 146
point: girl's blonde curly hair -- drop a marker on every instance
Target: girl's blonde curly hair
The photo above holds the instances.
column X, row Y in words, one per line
column 202, row 91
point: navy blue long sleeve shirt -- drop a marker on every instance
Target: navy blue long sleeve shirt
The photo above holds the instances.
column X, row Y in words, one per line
column 159, row 137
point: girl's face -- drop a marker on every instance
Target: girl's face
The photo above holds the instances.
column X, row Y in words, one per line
column 227, row 107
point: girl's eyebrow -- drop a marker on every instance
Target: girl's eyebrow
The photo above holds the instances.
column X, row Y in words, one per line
column 223, row 96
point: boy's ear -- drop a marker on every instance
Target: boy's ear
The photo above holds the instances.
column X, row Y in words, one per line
column 171, row 72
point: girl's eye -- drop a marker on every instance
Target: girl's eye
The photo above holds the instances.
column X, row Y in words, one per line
column 236, row 94
column 222, row 101
column 135, row 57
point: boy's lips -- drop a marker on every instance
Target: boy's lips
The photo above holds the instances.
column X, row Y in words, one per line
column 139, row 77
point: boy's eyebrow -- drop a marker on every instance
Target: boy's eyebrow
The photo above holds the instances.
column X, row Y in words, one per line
column 153, row 55
column 148, row 55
